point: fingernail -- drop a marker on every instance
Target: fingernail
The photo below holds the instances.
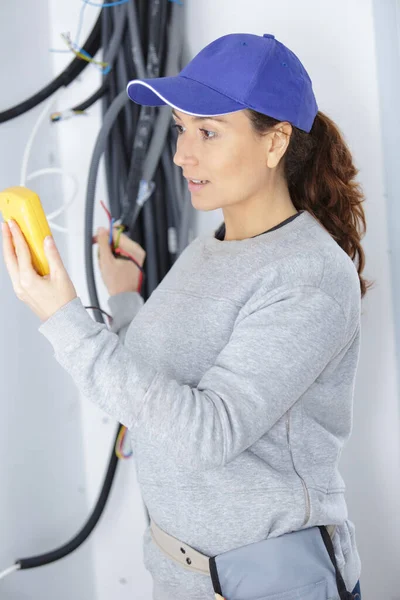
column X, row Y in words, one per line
column 48, row 240
column 10, row 223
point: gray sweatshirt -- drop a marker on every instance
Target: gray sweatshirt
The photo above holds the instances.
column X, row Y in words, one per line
column 236, row 381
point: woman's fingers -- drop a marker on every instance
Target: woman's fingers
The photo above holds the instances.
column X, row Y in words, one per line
column 21, row 248
column 104, row 250
column 10, row 257
column 18, row 259
column 124, row 243
column 130, row 246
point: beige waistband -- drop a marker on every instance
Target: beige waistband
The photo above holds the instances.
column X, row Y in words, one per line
column 185, row 555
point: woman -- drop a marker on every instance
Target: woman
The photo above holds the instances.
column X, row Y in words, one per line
column 236, row 377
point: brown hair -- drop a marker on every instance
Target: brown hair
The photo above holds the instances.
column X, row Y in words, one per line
column 320, row 173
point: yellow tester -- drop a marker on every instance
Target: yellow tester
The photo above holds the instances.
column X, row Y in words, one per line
column 24, row 207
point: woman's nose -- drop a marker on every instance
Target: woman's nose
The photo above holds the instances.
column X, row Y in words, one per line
column 181, row 159
column 184, row 155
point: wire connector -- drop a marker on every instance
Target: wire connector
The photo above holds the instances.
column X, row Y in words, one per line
column 66, row 114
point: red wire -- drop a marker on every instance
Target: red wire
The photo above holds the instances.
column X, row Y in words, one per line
column 106, row 209
column 120, row 251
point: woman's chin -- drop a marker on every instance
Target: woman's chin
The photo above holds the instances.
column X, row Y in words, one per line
column 202, row 202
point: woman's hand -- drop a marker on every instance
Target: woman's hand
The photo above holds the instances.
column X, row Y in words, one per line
column 44, row 295
column 119, row 275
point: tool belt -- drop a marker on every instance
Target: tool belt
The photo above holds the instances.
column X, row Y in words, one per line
column 300, row 564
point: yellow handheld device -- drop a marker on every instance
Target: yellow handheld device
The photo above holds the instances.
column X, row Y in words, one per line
column 24, row 207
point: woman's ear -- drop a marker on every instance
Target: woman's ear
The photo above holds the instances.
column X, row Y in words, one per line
column 277, row 142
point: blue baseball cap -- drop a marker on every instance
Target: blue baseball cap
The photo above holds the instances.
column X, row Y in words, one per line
column 235, row 72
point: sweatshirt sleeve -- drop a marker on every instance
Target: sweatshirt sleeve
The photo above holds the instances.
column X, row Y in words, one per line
column 124, row 307
column 280, row 345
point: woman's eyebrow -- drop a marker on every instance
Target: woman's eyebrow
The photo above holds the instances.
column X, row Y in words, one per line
column 218, row 119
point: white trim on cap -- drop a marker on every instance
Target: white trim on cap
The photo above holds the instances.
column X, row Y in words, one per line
column 138, row 81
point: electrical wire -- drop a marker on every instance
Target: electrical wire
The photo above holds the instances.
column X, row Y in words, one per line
column 165, row 251
column 119, row 446
column 29, row 143
column 107, row 5
column 148, row 201
column 121, row 254
column 82, row 535
column 78, row 29
column 63, row 115
column 93, row 98
column 65, row 205
column 110, row 319
column 117, row 251
column 40, row 172
column 82, row 54
column 61, row 229
column 10, row 570
column 80, row 23
column 70, row 73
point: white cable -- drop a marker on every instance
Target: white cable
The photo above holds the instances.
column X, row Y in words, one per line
column 59, row 171
column 29, row 143
column 25, row 160
column 57, row 227
column 10, row 570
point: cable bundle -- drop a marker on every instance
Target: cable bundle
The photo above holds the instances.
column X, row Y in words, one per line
column 146, row 190
column 148, row 197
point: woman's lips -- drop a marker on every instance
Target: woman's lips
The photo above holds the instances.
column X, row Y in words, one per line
column 195, row 187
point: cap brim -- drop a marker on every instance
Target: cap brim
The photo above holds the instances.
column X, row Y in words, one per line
column 184, row 94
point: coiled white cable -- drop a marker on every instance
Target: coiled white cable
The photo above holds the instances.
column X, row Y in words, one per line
column 29, row 143
column 63, row 208
column 24, row 167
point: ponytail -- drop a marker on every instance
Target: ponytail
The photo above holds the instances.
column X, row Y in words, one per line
column 321, row 175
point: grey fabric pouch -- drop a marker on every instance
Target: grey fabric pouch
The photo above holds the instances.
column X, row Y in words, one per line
column 296, row 566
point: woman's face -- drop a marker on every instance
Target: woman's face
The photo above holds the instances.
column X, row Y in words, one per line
column 227, row 153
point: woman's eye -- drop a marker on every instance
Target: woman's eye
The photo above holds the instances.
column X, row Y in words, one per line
column 205, row 131
column 177, row 127
column 208, row 137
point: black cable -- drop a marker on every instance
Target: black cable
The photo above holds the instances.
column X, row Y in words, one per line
column 158, row 220
column 49, row 557
column 94, row 97
column 105, row 100
column 156, row 19
column 71, row 72
column 101, row 310
column 74, row 69
column 159, row 209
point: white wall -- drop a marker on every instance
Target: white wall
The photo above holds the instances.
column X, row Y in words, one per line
column 42, row 480
column 336, row 42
